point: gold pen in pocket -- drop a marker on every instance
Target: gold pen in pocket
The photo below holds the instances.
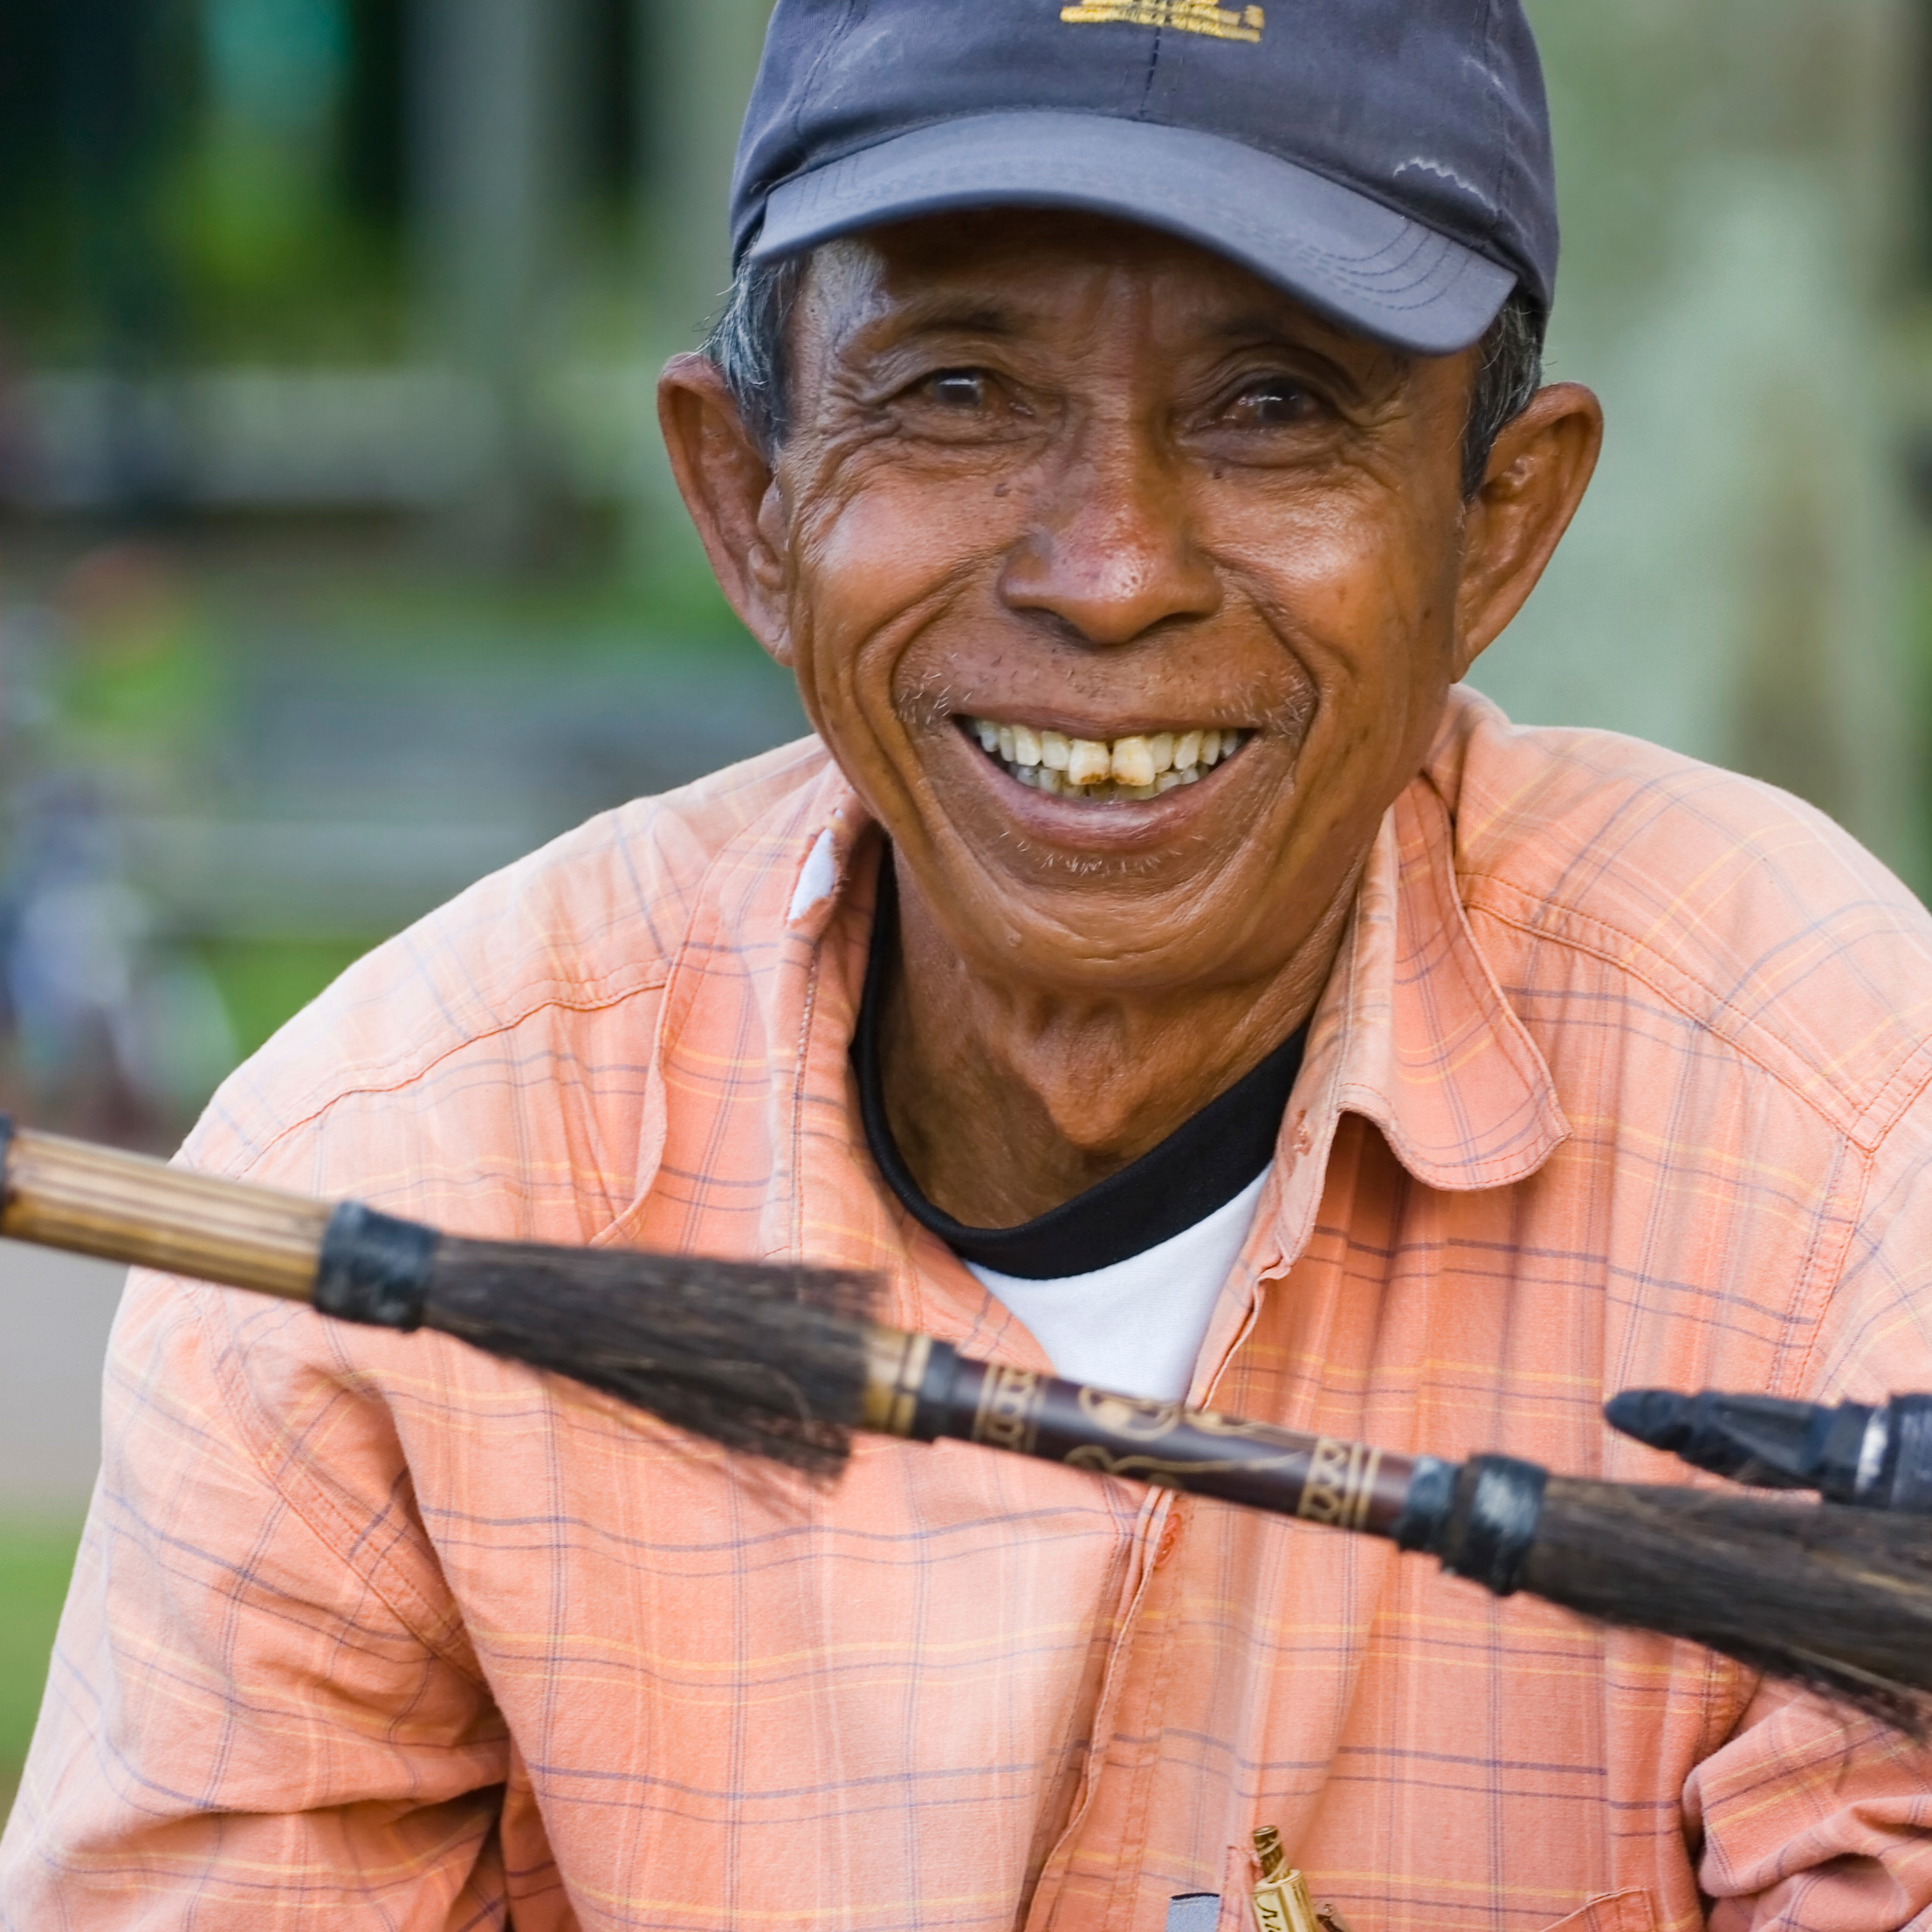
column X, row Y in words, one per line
column 1281, row 1901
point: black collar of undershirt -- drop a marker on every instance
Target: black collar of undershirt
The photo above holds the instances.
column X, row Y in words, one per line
column 1200, row 1166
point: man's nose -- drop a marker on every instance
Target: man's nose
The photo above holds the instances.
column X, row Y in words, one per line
column 1110, row 554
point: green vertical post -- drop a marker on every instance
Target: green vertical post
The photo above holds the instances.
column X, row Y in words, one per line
column 492, row 182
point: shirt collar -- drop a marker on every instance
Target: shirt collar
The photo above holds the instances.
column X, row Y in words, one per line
column 1413, row 1032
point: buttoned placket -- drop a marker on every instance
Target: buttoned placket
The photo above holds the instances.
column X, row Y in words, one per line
column 1284, row 1222
column 1347, row 1068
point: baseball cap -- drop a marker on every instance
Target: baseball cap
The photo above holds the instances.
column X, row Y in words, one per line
column 1387, row 162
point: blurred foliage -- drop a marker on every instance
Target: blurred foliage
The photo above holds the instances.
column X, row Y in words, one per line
column 231, row 179
column 264, row 982
column 142, row 685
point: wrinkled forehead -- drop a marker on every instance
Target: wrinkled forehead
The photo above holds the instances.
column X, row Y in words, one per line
column 1022, row 273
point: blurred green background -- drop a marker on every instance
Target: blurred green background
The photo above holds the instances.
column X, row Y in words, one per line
column 339, row 564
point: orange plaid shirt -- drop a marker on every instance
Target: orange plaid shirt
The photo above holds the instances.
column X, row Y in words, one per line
column 1620, row 1078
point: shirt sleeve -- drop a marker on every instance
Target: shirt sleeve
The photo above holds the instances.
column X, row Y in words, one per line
column 1813, row 1823
column 262, row 1710
column 1812, row 1819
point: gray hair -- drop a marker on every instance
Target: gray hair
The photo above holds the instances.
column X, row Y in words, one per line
column 747, row 345
column 1509, row 373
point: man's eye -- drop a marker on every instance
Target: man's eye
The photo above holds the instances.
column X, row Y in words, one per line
column 1275, row 403
column 957, row 388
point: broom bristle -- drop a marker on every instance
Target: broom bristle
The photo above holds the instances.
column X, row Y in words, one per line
column 1837, row 1600
column 764, row 1359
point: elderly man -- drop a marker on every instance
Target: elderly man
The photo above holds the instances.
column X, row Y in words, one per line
column 1126, row 424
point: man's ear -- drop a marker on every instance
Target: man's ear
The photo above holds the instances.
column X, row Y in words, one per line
column 727, row 486
column 1538, row 471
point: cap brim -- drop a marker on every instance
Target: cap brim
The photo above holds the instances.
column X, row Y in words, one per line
column 1363, row 263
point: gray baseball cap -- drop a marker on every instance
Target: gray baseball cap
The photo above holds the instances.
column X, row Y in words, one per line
column 1386, row 162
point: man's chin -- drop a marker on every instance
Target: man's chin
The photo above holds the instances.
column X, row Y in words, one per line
column 1081, row 913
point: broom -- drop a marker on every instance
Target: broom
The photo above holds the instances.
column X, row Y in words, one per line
column 783, row 1362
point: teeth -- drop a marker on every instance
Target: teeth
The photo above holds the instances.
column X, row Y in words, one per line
column 1141, row 766
column 1089, row 763
column 1133, row 762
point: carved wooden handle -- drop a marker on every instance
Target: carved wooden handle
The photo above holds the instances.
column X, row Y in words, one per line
column 125, row 1207
column 922, row 1389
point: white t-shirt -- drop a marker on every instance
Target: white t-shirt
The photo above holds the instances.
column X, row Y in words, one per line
column 1138, row 1326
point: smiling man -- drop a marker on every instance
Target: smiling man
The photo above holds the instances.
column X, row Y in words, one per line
column 1126, row 424
column 1127, row 589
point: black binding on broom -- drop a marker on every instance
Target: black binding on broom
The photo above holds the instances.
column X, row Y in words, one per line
column 375, row 1269
column 1426, row 1504
column 1873, row 1458
column 1493, row 1521
column 1821, row 1595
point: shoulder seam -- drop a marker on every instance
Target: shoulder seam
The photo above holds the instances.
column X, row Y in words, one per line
column 1910, row 1091
column 1828, row 1275
column 647, row 978
column 653, row 980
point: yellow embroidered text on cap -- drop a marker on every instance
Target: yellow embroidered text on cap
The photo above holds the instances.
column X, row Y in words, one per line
column 1189, row 16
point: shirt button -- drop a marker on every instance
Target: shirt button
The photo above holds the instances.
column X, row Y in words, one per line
column 1303, row 1138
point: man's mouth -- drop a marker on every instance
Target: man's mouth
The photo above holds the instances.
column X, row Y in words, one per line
column 1142, row 766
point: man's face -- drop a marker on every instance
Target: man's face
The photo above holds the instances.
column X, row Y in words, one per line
column 1112, row 503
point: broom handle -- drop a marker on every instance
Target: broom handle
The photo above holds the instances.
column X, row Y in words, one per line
column 921, row 1389
column 1480, row 1518
column 125, row 1207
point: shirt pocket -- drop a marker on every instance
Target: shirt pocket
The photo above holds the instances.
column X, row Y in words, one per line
column 1614, row 1912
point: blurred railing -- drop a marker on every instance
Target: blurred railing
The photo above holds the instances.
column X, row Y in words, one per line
column 379, row 439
